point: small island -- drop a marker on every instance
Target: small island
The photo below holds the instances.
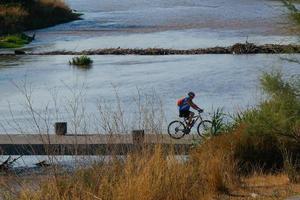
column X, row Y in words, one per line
column 17, row 16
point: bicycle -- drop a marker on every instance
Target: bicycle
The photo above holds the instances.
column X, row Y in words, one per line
column 177, row 129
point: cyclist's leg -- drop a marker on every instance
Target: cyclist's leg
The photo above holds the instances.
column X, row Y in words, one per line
column 184, row 114
column 190, row 118
column 180, row 113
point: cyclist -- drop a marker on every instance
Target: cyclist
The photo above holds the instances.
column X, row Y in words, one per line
column 184, row 105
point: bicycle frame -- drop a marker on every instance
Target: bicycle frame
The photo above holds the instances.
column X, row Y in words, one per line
column 196, row 118
column 182, row 127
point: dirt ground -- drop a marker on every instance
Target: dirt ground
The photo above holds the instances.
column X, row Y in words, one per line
column 266, row 187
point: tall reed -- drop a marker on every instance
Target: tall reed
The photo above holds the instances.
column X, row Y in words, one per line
column 145, row 175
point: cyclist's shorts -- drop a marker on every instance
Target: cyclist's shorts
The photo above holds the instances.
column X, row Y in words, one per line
column 184, row 113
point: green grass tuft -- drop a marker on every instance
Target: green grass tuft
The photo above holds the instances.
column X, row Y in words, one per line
column 82, row 62
column 14, row 41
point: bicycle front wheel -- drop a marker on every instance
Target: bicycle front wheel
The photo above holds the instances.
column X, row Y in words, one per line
column 176, row 129
column 205, row 128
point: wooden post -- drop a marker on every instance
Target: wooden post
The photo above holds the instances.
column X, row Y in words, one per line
column 60, row 128
column 138, row 137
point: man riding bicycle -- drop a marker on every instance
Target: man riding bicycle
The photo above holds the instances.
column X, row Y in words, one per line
column 184, row 105
column 179, row 128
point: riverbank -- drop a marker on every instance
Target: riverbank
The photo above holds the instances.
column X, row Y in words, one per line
column 19, row 16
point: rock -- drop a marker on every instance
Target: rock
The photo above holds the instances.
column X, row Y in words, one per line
column 254, row 195
column 19, row 52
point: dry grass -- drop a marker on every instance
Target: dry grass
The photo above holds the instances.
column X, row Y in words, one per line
column 266, row 180
column 17, row 11
column 12, row 18
column 264, row 187
column 55, row 4
column 215, row 161
column 210, row 173
column 260, row 186
column 150, row 174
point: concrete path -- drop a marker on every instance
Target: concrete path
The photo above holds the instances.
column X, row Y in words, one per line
column 89, row 144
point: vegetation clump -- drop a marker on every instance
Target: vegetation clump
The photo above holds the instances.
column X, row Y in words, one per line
column 271, row 131
column 21, row 15
column 81, row 61
column 14, row 40
column 294, row 12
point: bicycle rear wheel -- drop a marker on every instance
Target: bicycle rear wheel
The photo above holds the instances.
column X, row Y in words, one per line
column 205, row 128
column 176, row 129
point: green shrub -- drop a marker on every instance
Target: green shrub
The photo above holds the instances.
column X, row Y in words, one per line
column 271, row 127
column 280, row 113
column 81, row 61
column 218, row 123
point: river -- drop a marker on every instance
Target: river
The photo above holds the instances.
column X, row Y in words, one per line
column 227, row 81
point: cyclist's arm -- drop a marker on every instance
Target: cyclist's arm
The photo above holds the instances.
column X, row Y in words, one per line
column 191, row 103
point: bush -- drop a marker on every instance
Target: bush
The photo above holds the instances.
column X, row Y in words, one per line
column 272, row 127
column 81, row 61
column 279, row 115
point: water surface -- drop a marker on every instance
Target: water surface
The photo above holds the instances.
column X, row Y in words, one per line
column 228, row 81
column 169, row 24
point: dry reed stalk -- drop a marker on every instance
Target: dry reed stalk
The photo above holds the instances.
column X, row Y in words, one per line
column 145, row 175
column 16, row 11
column 55, row 3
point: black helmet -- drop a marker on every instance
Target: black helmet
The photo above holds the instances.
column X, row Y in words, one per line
column 191, row 94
